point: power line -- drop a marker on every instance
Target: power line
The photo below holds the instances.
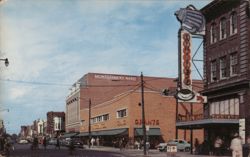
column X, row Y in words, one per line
column 35, row 83
column 62, row 84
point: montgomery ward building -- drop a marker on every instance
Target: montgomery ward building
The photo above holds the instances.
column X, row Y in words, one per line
column 111, row 103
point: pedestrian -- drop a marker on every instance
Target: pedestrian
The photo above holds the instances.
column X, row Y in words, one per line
column 196, row 146
column 121, row 143
column 35, row 143
column 217, row 146
column 246, row 148
column 44, row 142
column 92, row 141
column 97, row 141
column 137, row 145
column 71, row 147
column 57, row 143
column 236, row 146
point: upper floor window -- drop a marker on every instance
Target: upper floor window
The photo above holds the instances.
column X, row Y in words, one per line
column 122, row 113
column 222, row 67
column 213, row 35
column 233, row 64
column 101, row 118
column 233, row 23
column 213, row 71
column 223, row 26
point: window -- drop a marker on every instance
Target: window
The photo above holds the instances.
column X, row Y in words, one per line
column 223, row 27
column 222, row 67
column 101, row 118
column 105, row 117
column 213, row 36
column 122, row 113
column 233, row 64
column 213, row 71
column 233, row 23
column 225, row 107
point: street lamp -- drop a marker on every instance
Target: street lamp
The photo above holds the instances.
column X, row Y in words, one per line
column 6, row 61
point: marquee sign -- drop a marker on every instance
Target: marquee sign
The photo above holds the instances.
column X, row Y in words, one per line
column 191, row 20
column 192, row 23
column 186, row 79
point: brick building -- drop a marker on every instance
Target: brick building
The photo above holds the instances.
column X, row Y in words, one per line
column 226, row 72
column 55, row 123
column 115, row 111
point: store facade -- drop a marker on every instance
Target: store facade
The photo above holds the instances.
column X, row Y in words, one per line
column 107, row 107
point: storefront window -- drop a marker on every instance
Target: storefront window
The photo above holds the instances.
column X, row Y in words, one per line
column 225, row 107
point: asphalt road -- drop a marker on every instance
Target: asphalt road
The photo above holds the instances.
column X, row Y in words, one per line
column 23, row 150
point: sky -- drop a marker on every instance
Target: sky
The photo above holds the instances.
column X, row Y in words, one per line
column 51, row 44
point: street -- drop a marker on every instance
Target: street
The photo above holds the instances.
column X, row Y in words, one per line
column 23, row 150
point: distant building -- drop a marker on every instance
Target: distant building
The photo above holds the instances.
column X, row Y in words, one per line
column 2, row 129
column 39, row 127
column 24, row 132
column 55, row 123
column 113, row 102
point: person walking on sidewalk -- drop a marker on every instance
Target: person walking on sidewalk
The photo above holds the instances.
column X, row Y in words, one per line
column 45, row 142
column 236, row 146
column 92, row 141
column 217, row 146
column 57, row 143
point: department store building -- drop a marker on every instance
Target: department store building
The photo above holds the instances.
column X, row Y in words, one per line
column 108, row 106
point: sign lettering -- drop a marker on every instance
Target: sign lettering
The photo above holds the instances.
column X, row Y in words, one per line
column 147, row 122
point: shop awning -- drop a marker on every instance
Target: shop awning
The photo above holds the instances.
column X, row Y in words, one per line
column 121, row 131
column 151, row 132
column 69, row 135
column 198, row 124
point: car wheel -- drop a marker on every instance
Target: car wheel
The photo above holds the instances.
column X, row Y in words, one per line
column 187, row 149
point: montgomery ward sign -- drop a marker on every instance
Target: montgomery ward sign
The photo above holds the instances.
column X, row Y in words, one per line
column 115, row 77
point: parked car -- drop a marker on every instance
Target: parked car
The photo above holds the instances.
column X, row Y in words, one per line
column 23, row 141
column 52, row 141
column 162, row 147
column 182, row 145
column 78, row 143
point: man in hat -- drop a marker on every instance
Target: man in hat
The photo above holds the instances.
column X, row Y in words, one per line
column 236, row 146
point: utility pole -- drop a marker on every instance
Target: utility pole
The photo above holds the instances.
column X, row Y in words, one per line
column 143, row 116
column 89, row 122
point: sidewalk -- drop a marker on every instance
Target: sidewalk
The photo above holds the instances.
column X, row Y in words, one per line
column 139, row 153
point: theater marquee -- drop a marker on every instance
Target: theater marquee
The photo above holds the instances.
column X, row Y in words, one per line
column 192, row 23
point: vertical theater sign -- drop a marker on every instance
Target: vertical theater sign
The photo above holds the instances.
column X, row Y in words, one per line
column 192, row 23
